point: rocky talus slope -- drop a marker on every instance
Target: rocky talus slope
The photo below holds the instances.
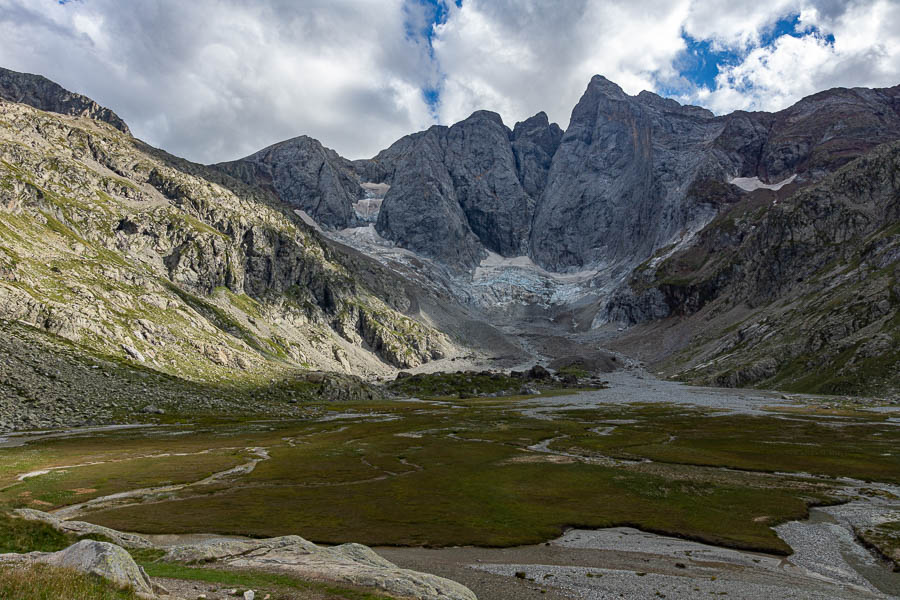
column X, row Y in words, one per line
column 48, row 382
column 137, row 255
column 798, row 291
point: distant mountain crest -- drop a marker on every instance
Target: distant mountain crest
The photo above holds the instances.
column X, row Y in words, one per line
column 630, row 175
column 43, row 94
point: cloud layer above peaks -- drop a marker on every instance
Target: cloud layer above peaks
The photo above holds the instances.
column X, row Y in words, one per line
column 214, row 80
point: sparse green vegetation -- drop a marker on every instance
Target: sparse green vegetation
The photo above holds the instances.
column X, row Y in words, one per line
column 464, row 474
column 885, row 539
column 456, row 385
column 19, row 536
column 42, row 582
column 66, row 486
column 858, row 447
column 574, row 370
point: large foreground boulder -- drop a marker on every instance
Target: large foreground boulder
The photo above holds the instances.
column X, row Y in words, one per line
column 103, row 559
column 352, row 564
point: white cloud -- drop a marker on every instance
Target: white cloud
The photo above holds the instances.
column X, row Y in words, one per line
column 865, row 52
column 731, row 24
column 520, row 57
column 217, row 79
column 517, row 57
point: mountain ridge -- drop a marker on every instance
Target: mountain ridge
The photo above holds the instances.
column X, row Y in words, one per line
column 807, row 140
column 426, row 247
column 134, row 253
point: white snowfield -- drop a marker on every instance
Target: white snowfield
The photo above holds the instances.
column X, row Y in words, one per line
column 748, row 184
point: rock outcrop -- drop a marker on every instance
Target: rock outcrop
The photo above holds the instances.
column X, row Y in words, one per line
column 421, row 210
column 305, row 175
column 616, row 188
column 630, row 175
column 636, row 173
column 174, row 266
column 534, row 143
column 800, row 294
column 102, row 559
column 40, row 92
column 458, row 191
column 82, row 528
column 352, row 564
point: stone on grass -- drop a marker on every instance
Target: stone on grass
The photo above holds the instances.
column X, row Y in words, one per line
column 102, row 559
column 352, row 564
column 81, row 528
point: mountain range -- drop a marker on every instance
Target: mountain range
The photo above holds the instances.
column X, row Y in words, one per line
column 743, row 249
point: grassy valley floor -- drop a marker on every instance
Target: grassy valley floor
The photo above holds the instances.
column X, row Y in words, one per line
column 696, row 464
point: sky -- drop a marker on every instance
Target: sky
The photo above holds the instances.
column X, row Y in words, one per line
column 215, row 80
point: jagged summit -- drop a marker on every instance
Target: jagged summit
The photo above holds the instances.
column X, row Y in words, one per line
column 630, row 175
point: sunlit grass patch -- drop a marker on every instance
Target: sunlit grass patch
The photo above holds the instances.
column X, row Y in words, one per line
column 42, row 582
column 20, row 536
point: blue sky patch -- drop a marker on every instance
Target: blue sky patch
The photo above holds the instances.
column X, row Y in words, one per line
column 435, row 14
column 703, row 58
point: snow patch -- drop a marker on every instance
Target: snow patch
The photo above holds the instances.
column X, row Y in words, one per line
column 500, row 281
column 495, row 261
column 368, row 207
column 307, row 219
column 749, row 184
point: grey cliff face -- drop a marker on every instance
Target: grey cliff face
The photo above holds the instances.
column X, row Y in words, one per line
column 43, row 94
column 630, row 175
column 535, row 141
column 481, row 163
column 421, row 211
column 633, row 173
column 616, row 187
column 476, row 183
column 306, row 176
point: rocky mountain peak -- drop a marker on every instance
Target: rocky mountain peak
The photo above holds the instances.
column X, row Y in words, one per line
column 603, row 85
column 629, row 175
column 305, row 175
column 670, row 105
column 537, row 128
column 41, row 93
column 484, row 116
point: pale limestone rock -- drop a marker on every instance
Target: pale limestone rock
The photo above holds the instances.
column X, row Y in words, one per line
column 127, row 540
